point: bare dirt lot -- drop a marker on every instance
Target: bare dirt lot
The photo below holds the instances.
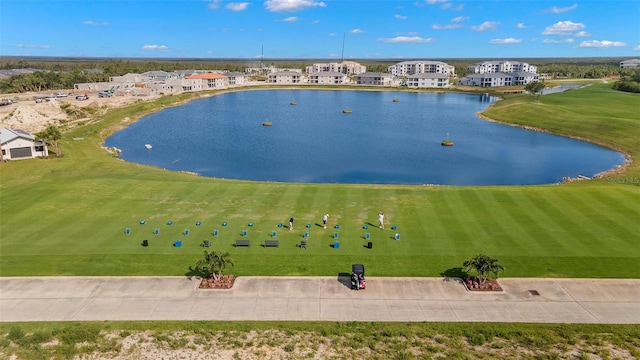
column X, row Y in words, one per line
column 27, row 114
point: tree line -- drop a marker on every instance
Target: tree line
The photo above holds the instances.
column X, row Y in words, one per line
column 58, row 73
column 629, row 82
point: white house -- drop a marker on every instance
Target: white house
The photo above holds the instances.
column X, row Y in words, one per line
column 285, row 77
column 328, row 77
column 421, row 67
column 210, row 80
column 235, row 78
column 376, row 78
column 630, row 64
column 428, row 80
column 19, row 144
column 499, row 66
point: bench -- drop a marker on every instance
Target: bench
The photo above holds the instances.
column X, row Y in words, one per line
column 271, row 243
column 243, row 242
column 303, row 244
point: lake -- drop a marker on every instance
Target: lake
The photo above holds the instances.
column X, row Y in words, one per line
column 381, row 142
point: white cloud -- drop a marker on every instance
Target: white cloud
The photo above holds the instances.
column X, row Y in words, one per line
column 445, row 27
column 432, row 2
column 505, row 41
column 291, row 19
column 445, row 5
column 214, row 4
column 33, row 46
column 155, row 48
column 487, row 25
column 557, row 10
column 637, row 48
column 554, row 41
column 95, row 23
column 601, row 44
column 291, row 5
column 521, row 26
column 238, row 6
column 460, row 18
column 400, row 17
column 563, row 28
column 460, row 7
column 315, row 22
column 357, row 31
column 333, row 34
column 582, row 34
column 406, row 39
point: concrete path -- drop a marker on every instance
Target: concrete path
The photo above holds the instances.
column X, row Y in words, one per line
column 318, row 299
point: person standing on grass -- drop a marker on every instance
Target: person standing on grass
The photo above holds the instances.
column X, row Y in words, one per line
column 324, row 220
column 291, row 223
column 381, row 220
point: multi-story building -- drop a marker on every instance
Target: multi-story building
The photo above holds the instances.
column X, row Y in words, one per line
column 488, row 79
column 210, row 80
column 328, row 77
column 421, row 67
column 630, row 64
column 345, row 67
column 375, row 78
column 285, row 77
column 429, row 80
column 500, row 66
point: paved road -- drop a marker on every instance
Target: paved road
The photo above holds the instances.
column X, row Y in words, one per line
column 318, row 298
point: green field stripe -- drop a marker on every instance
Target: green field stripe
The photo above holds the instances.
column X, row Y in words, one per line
column 529, row 234
column 455, row 233
column 605, row 233
column 622, row 210
column 491, row 234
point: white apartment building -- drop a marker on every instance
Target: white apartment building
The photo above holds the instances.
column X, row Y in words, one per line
column 488, row 79
column 328, row 77
column 345, row 67
column 376, row 78
column 285, row 77
column 428, row 80
column 421, row 67
column 501, row 67
column 630, row 64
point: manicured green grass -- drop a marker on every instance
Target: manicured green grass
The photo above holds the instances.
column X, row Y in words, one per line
column 67, row 216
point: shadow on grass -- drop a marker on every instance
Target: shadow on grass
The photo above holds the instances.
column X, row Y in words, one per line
column 456, row 272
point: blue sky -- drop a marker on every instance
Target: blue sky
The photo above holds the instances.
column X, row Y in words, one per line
column 427, row 29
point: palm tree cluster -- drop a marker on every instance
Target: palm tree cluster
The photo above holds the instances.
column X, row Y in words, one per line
column 484, row 266
column 213, row 263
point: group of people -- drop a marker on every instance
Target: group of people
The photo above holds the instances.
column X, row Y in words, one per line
column 325, row 218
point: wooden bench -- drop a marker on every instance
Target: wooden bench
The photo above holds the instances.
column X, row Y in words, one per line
column 271, row 243
column 243, row 242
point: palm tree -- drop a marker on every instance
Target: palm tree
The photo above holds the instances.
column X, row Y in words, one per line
column 213, row 263
column 484, row 266
column 53, row 134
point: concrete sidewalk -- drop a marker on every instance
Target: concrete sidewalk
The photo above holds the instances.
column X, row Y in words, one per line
column 318, row 299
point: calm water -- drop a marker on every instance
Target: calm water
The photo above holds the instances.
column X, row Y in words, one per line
column 381, row 142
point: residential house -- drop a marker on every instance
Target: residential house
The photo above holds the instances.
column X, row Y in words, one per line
column 376, row 78
column 157, row 75
column 428, row 80
column 285, row 77
column 328, row 77
column 19, row 144
column 421, row 67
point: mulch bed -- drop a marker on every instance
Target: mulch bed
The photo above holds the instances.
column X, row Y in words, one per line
column 223, row 282
column 474, row 284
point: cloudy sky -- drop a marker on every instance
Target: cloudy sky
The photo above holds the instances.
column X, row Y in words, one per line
column 316, row 29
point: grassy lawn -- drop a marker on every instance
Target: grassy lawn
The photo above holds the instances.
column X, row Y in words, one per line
column 313, row 340
column 67, row 216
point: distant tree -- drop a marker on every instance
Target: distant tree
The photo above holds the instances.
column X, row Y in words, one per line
column 214, row 263
column 484, row 266
column 535, row 87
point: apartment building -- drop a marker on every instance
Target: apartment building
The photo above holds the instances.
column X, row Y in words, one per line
column 285, row 77
column 421, row 67
column 501, row 67
column 376, row 78
column 630, row 64
column 344, row 67
column 428, row 80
